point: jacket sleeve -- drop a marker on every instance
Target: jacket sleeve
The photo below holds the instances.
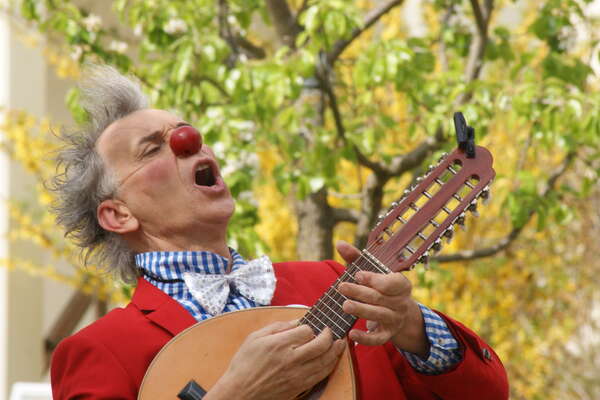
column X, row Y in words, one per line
column 480, row 374
column 84, row 369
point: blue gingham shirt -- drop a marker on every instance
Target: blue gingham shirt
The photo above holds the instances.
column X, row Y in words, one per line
column 165, row 271
column 170, row 266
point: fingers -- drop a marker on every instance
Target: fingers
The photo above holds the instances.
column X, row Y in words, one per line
column 375, row 338
column 295, row 337
column 388, row 284
column 322, row 366
column 381, row 314
column 348, row 252
column 276, row 327
column 317, row 347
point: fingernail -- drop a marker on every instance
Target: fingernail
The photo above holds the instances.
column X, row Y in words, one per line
column 347, row 306
column 359, row 277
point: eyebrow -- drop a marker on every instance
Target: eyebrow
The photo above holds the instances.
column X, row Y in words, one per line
column 156, row 135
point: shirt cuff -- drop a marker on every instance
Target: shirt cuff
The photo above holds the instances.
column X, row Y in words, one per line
column 444, row 352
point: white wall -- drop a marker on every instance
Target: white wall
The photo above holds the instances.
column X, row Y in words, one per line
column 4, row 79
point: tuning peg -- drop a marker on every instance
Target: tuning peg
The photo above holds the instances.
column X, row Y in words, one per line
column 437, row 245
column 460, row 221
column 424, row 259
column 473, row 208
column 419, row 179
column 449, row 233
column 486, row 195
column 430, row 168
column 442, row 157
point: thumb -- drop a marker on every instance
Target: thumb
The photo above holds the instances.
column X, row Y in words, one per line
column 348, row 252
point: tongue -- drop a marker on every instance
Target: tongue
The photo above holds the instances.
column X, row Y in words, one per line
column 205, row 177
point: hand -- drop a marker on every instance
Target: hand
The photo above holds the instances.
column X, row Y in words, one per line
column 279, row 361
column 385, row 301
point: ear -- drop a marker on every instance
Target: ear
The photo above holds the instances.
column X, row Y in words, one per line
column 114, row 216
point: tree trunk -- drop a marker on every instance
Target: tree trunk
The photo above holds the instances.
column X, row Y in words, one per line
column 315, row 227
column 372, row 196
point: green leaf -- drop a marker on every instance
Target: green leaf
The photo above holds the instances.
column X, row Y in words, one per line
column 29, row 11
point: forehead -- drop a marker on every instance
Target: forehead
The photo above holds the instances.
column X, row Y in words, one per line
column 120, row 138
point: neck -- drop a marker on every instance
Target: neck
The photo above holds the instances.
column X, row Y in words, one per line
column 149, row 242
column 327, row 311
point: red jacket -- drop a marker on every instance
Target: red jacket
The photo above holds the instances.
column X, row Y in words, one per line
column 108, row 359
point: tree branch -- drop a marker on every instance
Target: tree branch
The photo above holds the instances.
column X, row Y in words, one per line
column 372, row 17
column 442, row 49
column 249, row 48
column 226, row 34
column 215, row 84
column 284, row 21
column 323, row 74
column 479, row 18
column 477, row 49
column 400, row 164
column 345, row 215
column 516, row 231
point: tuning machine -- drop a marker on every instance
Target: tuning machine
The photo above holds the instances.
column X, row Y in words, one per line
column 424, row 259
column 485, row 195
column 460, row 221
column 449, row 233
column 472, row 208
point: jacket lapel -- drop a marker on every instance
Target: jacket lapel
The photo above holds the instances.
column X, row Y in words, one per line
column 160, row 308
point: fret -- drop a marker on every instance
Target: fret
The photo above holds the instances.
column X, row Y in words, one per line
column 376, row 263
column 327, row 311
column 451, row 170
column 399, row 218
column 334, row 320
column 426, row 194
column 316, row 321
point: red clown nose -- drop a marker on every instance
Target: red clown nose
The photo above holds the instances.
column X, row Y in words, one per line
column 185, row 141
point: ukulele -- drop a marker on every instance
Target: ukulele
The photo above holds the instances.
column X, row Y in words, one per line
column 411, row 229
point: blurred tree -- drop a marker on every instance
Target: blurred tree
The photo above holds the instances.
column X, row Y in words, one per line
column 340, row 105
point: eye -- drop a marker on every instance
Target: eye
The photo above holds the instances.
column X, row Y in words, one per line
column 150, row 150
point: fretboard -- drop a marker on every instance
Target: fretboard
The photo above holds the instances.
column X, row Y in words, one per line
column 327, row 311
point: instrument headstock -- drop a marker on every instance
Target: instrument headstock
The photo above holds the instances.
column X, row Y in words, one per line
column 413, row 227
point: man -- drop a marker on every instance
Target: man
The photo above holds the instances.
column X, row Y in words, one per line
column 144, row 196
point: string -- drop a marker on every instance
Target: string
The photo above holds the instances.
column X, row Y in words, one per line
column 370, row 259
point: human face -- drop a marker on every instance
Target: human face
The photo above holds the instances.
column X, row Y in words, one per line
column 172, row 203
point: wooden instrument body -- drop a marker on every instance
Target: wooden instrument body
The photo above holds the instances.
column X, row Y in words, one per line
column 203, row 352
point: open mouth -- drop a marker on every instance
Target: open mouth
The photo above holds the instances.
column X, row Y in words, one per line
column 205, row 176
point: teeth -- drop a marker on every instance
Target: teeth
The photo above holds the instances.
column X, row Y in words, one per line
column 202, row 168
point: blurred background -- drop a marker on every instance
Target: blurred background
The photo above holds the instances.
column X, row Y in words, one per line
column 322, row 113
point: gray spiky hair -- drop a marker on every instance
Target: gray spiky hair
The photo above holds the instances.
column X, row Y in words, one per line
column 106, row 96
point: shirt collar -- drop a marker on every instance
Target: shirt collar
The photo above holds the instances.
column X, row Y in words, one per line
column 172, row 264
